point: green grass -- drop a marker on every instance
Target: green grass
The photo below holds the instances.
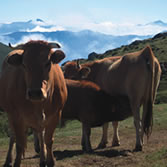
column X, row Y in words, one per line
column 159, row 157
column 160, row 116
column 71, row 128
column 4, row 130
column 74, row 127
column 69, row 138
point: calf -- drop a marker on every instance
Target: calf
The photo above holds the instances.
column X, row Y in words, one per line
column 93, row 107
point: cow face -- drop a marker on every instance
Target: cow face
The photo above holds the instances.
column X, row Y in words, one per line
column 36, row 60
column 72, row 70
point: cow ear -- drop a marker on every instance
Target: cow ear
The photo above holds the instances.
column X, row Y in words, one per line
column 57, row 56
column 84, row 72
column 15, row 59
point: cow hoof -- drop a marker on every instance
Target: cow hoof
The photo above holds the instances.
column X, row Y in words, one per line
column 137, row 149
column 90, row 151
column 37, row 149
column 7, row 165
column 115, row 144
column 50, row 164
column 101, row 146
column 42, row 164
column 87, row 149
column 83, row 148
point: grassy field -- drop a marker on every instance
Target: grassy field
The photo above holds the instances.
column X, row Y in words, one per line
column 67, row 148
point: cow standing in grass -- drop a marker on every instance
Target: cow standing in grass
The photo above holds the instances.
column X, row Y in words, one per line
column 33, row 93
column 74, row 70
column 135, row 75
column 89, row 104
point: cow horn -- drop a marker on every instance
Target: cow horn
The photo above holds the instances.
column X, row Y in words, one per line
column 20, row 46
column 54, row 45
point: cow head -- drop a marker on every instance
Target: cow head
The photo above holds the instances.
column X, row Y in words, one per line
column 73, row 70
column 36, row 59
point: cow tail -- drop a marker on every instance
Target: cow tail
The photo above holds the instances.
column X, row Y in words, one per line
column 148, row 118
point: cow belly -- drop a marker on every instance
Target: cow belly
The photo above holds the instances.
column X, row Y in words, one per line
column 117, row 109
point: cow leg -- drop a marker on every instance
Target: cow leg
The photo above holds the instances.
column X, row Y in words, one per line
column 42, row 148
column 86, row 132
column 116, row 140
column 103, row 141
column 36, row 142
column 142, row 130
column 83, row 140
column 49, row 130
column 20, row 144
column 145, row 110
column 49, row 142
column 8, row 162
column 19, row 130
column 137, row 123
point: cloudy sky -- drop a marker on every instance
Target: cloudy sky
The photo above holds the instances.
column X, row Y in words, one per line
column 107, row 16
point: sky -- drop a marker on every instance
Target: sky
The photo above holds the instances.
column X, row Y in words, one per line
column 81, row 11
column 107, row 16
column 115, row 17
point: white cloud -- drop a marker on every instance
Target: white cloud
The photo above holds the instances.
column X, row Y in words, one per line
column 4, row 40
column 32, row 37
column 36, row 37
column 77, row 22
column 80, row 22
column 124, row 29
column 44, row 29
column 94, row 47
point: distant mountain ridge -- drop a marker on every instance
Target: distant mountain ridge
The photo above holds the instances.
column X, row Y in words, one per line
column 7, row 28
column 158, row 44
column 75, row 44
column 158, row 23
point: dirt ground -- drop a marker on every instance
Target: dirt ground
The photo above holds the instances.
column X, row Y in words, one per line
column 67, row 152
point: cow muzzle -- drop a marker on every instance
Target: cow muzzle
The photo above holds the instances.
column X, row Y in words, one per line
column 36, row 94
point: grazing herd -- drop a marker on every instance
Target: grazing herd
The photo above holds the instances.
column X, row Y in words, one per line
column 135, row 75
column 35, row 94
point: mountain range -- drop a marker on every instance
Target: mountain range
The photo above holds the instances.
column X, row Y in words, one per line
column 75, row 44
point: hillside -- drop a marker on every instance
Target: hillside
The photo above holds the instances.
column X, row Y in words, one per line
column 159, row 46
column 75, row 44
column 4, row 50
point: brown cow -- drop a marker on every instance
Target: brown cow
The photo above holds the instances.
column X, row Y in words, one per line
column 33, row 93
column 74, row 70
column 136, row 75
column 89, row 104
